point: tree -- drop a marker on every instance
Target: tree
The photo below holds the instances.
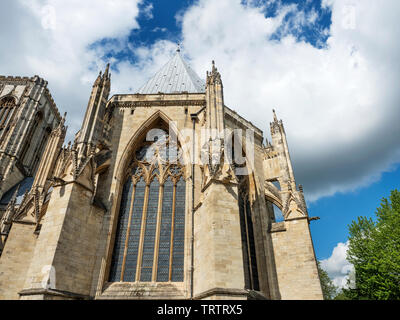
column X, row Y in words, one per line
column 329, row 290
column 374, row 250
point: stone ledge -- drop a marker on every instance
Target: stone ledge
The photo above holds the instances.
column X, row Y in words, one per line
column 53, row 292
column 277, row 227
column 222, row 292
column 142, row 291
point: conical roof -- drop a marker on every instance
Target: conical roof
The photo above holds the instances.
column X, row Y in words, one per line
column 175, row 77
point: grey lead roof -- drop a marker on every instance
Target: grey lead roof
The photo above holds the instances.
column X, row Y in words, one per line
column 175, row 77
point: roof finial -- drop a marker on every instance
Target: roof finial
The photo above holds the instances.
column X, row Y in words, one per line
column 275, row 117
column 214, row 69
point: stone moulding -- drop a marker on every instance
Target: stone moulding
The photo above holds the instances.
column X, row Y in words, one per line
column 247, row 294
column 54, row 293
column 168, row 103
column 277, row 227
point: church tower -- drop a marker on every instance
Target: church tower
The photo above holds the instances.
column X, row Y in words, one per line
column 28, row 114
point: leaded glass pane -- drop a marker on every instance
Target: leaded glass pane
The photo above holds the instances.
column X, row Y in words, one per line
column 150, row 232
column 134, row 234
column 179, row 233
column 165, row 233
column 119, row 246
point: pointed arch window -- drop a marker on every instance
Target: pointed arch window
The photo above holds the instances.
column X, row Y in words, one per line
column 248, row 238
column 7, row 106
column 149, row 244
column 237, row 157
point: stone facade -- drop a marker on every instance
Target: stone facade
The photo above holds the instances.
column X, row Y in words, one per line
column 61, row 241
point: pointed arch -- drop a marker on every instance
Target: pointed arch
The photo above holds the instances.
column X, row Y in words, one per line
column 273, row 195
column 151, row 192
column 138, row 137
column 8, row 106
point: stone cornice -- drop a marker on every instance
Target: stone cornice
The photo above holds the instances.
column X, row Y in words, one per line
column 16, row 80
column 54, row 292
column 222, row 291
column 164, row 103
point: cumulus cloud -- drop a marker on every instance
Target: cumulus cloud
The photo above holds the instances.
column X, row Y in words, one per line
column 53, row 38
column 340, row 103
column 337, row 267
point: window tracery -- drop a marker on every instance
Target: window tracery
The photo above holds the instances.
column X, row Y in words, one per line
column 149, row 243
column 7, row 106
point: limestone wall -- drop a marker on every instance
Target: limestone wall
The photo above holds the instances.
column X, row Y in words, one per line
column 14, row 260
column 295, row 261
column 218, row 260
column 68, row 241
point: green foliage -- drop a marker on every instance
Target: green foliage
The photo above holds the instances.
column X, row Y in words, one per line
column 374, row 250
column 342, row 295
column 329, row 290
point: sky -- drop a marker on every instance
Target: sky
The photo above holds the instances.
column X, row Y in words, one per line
column 330, row 69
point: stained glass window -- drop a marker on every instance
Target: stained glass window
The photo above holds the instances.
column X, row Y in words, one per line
column 150, row 232
column 134, row 234
column 165, row 233
column 150, row 237
column 179, row 233
column 120, row 238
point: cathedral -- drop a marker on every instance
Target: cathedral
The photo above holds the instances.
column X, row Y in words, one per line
column 166, row 193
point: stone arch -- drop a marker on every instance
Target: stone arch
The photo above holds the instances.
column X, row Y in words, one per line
column 122, row 166
column 27, row 146
column 252, row 181
column 7, row 106
column 272, row 194
column 137, row 138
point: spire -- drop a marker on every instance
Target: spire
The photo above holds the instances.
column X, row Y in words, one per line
column 107, row 70
column 98, row 80
column 91, row 129
column 215, row 103
column 174, row 77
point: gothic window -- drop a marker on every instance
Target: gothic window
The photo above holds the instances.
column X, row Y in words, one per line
column 25, row 156
column 149, row 243
column 7, row 106
column 40, row 148
column 247, row 234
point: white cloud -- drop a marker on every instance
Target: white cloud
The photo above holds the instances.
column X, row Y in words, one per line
column 337, row 267
column 52, row 38
column 340, row 105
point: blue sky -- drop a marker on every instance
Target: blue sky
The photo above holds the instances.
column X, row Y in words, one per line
column 338, row 211
column 329, row 67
